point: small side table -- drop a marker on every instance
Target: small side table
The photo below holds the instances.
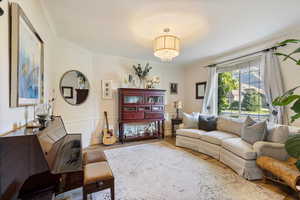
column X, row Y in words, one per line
column 175, row 122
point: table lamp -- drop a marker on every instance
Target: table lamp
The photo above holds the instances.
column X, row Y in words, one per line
column 177, row 106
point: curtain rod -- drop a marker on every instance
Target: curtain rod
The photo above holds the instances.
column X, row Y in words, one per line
column 243, row 56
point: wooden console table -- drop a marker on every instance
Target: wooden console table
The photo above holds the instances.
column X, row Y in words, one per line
column 141, row 106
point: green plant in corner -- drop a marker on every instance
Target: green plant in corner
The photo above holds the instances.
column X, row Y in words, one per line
column 290, row 97
column 292, row 145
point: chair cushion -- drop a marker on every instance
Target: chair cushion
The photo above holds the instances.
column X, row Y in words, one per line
column 207, row 122
column 94, row 156
column 94, row 172
column 193, row 133
column 216, row 137
column 240, row 148
column 230, row 125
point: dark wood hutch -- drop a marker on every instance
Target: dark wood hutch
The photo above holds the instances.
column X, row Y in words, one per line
column 141, row 106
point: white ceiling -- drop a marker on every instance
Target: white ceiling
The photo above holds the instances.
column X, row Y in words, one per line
column 206, row 27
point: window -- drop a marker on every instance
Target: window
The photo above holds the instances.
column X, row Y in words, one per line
column 241, row 92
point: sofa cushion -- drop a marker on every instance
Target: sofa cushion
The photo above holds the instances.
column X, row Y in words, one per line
column 239, row 147
column 277, row 133
column 193, row 133
column 253, row 131
column 207, row 122
column 190, row 120
column 230, row 125
column 216, row 137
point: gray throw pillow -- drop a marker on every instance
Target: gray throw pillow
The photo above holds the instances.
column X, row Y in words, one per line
column 253, row 131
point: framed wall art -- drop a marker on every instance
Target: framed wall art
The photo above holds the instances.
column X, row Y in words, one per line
column 107, row 89
column 27, row 61
column 173, row 88
column 200, row 90
column 67, row 92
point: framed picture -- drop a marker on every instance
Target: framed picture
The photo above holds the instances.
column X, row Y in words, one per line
column 200, row 90
column 173, row 88
column 67, row 92
column 106, row 89
column 27, row 61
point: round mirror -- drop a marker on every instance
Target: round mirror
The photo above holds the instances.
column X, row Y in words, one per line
column 74, row 87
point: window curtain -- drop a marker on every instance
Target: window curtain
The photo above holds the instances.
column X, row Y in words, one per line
column 210, row 99
column 274, row 87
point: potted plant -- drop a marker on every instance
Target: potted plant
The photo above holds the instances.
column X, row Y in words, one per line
column 292, row 145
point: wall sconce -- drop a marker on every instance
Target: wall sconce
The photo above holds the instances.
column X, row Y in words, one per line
column 1, row 10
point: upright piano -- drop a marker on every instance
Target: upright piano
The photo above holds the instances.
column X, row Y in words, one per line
column 41, row 163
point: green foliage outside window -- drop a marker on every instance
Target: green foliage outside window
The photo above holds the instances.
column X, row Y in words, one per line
column 251, row 101
column 226, row 84
column 235, row 105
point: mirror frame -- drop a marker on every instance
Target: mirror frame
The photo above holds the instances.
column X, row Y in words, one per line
column 61, row 79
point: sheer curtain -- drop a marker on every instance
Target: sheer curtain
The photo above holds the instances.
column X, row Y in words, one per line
column 274, row 87
column 210, row 98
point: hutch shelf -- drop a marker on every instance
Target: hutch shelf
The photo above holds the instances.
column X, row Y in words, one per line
column 141, row 106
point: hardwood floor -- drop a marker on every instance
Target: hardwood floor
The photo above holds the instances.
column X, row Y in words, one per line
column 280, row 189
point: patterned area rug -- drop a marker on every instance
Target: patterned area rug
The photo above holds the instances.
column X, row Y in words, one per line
column 160, row 171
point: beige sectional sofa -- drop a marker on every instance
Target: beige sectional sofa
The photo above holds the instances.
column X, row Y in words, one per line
column 225, row 144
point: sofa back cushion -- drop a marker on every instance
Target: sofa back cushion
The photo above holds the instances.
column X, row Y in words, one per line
column 253, row 131
column 230, row 125
column 207, row 122
column 277, row 133
column 190, row 120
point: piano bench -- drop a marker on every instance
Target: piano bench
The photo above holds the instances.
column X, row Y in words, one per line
column 98, row 176
column 93, row 156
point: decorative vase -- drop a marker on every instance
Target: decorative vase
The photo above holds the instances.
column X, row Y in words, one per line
column 142, row 83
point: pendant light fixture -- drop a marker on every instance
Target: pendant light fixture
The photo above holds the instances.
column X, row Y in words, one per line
column 166, row 46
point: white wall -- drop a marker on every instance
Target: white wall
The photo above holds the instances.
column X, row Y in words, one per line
column 196, row 73
column 61, row 56
column 88, row 117
column 33, row 10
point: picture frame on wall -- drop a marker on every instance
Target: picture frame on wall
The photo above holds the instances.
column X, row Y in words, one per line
column 67, row 92
column 27, row 61
column 200, row 90
column 107, row 89
column 173, row 88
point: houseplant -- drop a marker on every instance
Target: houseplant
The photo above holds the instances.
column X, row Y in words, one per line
column 290, row 97
column 292, row 145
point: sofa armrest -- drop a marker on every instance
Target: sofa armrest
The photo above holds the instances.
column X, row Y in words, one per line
column 270, row 149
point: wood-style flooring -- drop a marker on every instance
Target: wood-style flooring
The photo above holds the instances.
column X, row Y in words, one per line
column 280, row 189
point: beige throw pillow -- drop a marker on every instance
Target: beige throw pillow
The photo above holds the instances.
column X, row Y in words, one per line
column 278, row 133
column 230, row 125
column 190, row 120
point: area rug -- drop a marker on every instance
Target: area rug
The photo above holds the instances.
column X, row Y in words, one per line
column 160, row 171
